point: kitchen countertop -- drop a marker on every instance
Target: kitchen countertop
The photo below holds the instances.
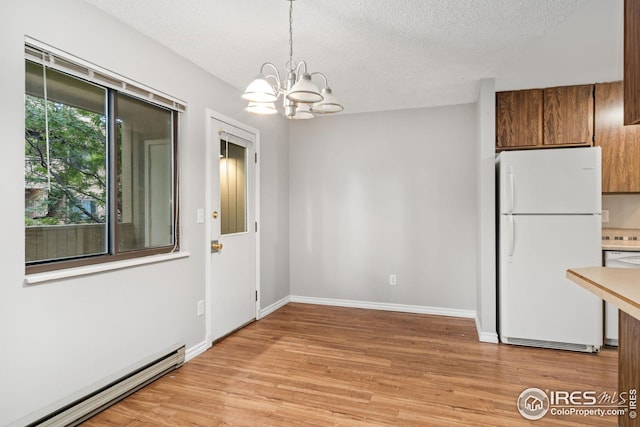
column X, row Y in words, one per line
column 619, row 286
column 621, row 245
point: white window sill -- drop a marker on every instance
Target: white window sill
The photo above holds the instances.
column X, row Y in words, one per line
column 33, row 279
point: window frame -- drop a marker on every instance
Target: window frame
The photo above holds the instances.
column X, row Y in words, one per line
column 52, row 57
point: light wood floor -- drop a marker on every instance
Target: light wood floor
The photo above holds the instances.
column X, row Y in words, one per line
column 309, row 365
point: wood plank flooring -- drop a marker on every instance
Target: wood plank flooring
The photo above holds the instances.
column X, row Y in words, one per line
column 310, row 365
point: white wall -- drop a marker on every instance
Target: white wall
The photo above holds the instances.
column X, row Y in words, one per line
column 62, row 337
column 386, row 193
column 486, row 242
column 624, row 210
column 274, row 213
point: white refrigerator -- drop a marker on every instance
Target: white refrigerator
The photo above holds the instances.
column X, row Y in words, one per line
column 549, row 220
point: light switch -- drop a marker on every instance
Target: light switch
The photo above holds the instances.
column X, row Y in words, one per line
column 605, row 216
column 200, row 215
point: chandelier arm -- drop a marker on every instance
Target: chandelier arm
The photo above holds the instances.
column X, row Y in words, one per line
column 276, row 77
column 298, row 68
column 318, row 73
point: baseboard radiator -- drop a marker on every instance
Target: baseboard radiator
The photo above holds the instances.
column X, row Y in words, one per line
column 86, row 407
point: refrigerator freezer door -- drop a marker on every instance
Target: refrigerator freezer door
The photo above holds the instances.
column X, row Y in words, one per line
column 536, row 300
column 565, row 181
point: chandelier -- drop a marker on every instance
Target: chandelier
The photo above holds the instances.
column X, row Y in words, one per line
column 301, row 97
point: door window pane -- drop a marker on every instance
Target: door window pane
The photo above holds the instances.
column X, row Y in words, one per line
column 233, row 188
column 65, row 166
column 145, row 175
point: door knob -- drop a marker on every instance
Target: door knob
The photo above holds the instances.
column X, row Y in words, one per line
column 216, row 246
column 214, row 214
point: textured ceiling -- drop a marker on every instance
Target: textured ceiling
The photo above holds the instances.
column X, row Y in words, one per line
column 377, row 54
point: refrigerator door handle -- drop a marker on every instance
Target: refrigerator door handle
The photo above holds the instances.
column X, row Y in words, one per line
column 512, row 235
column 512, row 191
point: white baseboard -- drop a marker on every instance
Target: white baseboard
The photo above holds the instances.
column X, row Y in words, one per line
column 419, row 309
column 197, row 349
column 490, row 337
column 273, row 307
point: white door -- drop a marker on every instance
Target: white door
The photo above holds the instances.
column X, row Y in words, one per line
column 537, row 301
column 233, row 228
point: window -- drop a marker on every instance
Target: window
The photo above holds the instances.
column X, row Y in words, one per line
column 233, row 188
column 100, row 166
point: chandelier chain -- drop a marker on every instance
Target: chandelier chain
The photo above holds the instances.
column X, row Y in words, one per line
column 290, row 31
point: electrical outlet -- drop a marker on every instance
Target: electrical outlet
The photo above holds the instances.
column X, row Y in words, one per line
column 605, row 216
column 392, row 280
column 200, row 309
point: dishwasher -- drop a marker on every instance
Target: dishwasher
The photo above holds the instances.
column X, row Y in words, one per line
column 616, row 259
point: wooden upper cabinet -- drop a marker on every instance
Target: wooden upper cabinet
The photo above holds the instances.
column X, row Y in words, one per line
column 631, row 62
column 568, row 115
column 620, row 144
column 519, row 119
column 543, row 118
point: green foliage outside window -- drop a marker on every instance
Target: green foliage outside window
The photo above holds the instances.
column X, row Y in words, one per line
column 76, row 166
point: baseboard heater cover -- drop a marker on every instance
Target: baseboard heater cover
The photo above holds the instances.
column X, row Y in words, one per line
column 86, row 407
column 585, row 348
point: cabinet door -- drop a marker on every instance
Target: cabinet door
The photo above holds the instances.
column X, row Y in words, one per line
column 631, row 62
column 518, row 119
column 568, row 115
column 620, row 144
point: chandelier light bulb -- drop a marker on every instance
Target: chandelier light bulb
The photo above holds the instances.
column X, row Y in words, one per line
column 260, row 90
column 305, row 90
column 265, row 108
column 329, row 104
